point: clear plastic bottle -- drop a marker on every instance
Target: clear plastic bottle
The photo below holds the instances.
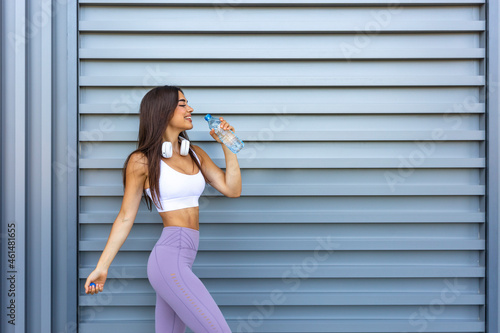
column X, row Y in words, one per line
column 226, row 136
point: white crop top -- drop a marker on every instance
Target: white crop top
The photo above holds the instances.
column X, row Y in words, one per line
column 178, row 190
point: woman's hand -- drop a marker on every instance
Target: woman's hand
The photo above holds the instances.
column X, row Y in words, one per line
column 98, row 276
column 223, row 125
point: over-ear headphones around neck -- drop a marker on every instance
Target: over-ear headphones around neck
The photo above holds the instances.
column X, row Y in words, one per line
column 166, row 148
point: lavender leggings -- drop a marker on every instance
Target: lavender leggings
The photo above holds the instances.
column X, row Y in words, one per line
column 181, row 298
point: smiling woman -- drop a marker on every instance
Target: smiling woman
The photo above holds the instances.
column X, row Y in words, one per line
column 173, row 185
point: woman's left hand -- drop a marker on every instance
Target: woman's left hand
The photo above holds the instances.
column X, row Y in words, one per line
column 223, row 125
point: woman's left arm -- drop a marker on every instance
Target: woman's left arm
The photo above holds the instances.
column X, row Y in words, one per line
column 229, row 182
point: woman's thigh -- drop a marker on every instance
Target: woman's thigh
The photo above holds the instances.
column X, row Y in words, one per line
column 166, row 320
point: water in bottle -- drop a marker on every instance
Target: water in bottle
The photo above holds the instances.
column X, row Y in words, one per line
column 226, row 136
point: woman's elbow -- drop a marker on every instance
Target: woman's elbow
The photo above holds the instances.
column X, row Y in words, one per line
column 234, row 195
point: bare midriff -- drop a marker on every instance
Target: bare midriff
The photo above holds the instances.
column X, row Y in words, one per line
column 186, row 217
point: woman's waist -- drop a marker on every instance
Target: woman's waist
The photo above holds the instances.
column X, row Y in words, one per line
column 179, row 237
column 186, row 217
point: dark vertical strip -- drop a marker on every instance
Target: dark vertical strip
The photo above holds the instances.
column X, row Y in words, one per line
column 492, row 203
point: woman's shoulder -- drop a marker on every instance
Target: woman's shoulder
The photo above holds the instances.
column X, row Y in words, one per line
column 199, row 152
column 138, row 161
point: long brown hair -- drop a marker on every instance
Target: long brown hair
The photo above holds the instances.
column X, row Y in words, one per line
column 156, row 110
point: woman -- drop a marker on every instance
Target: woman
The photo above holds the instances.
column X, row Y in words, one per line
column 174, row 185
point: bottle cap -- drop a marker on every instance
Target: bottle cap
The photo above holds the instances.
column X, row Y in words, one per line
column 208, row 116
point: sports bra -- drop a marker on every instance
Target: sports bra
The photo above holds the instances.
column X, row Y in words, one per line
column 178, row 190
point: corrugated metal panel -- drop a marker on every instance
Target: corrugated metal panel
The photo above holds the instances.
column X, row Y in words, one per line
column 38, row 166
column 363, row 175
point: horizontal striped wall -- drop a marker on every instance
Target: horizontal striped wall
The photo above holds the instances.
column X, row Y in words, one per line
column 363, row 171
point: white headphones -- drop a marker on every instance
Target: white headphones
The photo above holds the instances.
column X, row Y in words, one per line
column 166, row 148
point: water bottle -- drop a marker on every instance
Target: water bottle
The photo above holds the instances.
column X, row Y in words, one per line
column 226, row 136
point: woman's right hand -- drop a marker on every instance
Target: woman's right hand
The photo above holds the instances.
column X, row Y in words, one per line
column 98, row 276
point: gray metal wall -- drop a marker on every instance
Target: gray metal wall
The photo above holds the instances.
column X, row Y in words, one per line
column 370, row 197
column 362, row 207
column 38, row 166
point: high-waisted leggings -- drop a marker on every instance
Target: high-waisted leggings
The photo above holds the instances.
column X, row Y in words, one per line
column 181, row 298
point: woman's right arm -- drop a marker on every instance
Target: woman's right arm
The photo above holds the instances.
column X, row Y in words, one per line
column 135, row 178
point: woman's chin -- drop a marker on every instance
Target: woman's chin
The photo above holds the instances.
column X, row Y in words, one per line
column 185, row 127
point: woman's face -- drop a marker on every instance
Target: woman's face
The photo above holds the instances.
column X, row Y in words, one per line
column 182, row 114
